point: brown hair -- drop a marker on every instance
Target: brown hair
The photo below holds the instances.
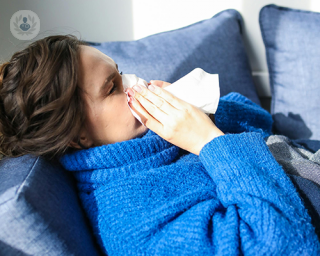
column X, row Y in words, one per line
column 41, row 109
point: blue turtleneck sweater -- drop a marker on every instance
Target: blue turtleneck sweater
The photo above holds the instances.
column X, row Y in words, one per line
column 146, row 196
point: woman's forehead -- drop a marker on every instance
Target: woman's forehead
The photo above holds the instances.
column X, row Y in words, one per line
column 92, row 56
column 95, row 67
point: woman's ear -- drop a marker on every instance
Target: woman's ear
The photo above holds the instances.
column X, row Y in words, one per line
column 73, row 144
column 83, row 141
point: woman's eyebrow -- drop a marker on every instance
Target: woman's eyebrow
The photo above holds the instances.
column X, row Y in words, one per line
column 106, row 82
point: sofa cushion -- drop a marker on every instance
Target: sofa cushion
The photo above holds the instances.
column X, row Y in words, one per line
column 291, row 38
column 40, row 211
column 215, row 45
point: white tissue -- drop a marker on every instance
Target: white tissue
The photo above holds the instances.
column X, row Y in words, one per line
column 198, row 88
column 128, row 81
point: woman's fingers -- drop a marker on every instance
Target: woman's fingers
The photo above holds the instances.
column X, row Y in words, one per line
column 173, row 119
column 154, row 105
column 159, row 83
column 144, row 95
column 174, row 101
column 157, row 101
column 148, row 120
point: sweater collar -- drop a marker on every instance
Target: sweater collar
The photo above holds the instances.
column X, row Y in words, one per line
column 115, row 155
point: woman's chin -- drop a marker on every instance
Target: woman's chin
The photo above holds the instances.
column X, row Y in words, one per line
column 140, row 128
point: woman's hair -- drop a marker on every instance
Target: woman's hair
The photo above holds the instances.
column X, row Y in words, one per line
column 41, row 108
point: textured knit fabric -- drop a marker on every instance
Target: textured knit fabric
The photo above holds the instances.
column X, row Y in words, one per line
column 146, row 196
column 303, row 167
column 311, row 145
column 295, row 160
column 310, row 194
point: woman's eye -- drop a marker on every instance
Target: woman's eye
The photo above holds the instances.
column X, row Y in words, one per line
column 114, row 87
column 121, row 73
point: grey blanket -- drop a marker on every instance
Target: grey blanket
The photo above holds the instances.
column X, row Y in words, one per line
column 300, row 159
column 294, row 158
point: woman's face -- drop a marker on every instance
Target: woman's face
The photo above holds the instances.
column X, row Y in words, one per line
column 108, row 117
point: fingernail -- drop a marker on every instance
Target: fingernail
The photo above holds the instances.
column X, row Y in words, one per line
column 131, row 99
column 137, row 88
column 151, row 88
column 130, row 92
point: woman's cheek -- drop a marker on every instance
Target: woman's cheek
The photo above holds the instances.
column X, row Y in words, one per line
column 121, row 107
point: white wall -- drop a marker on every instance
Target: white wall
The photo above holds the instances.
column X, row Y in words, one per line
column 97, row 20
column 117, row 20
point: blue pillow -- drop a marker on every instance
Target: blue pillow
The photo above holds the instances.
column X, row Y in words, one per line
column 292, row 41
column 215, row 45
column 40, row 212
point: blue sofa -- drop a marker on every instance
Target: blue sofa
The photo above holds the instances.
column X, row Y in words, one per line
column 39, row 210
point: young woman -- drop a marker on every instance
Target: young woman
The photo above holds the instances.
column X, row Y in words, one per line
column 177, row 185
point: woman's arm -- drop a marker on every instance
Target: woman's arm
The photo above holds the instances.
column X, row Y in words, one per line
column 249, row 180
column 236, row 114
column 272, row 217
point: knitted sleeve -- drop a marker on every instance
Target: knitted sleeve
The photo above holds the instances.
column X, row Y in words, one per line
column 272, row 218
column 236, row 114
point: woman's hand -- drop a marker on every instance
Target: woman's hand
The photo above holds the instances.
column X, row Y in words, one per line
column 159, row 83
column 173, row 119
